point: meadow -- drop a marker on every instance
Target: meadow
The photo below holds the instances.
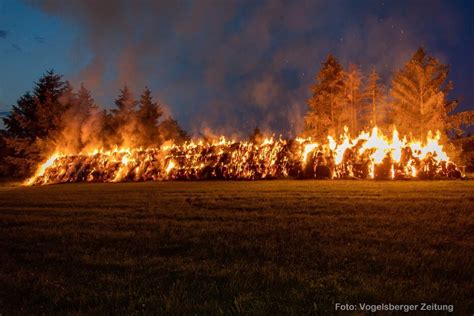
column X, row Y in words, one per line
column 236, row 247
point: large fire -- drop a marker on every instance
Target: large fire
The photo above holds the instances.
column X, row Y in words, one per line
column 370, row 155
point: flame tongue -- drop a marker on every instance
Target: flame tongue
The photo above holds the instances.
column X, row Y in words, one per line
column 40, row 173
column 369, row 155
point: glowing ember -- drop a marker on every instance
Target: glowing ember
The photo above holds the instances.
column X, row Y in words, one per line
column 369, row 155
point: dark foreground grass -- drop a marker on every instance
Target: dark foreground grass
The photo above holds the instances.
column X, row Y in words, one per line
column 235, row 247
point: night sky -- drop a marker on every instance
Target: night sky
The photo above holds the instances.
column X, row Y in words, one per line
column 225, row 66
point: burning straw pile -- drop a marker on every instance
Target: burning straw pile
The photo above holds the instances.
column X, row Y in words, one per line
column 367, row 156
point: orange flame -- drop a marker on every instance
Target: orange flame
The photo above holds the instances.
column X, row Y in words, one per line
column 369, row 155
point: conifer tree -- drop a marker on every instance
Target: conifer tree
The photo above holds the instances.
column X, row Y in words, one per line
column 21, row 122
column 419, row 92
column 125, row 105
column 85, row 102
column 35, row 122
column 326, row 102
column 171, row 131
column 374, row 97
column 353, row 80
column 82, row 122
column 124, row 119
column 148, row 115
column 6, row 168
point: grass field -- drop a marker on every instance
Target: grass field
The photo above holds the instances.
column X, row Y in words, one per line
column 235, row 247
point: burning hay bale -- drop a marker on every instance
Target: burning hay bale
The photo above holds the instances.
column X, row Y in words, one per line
column 367, row 156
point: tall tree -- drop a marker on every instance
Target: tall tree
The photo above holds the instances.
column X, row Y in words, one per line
column 124, row 119
column 6, row 168
column 36, row 121
column 171, row 131
column 85, row 102
column 419, row 92
column 82, row 122
column 21, row 122
column 374, row 97
column 326, row 102
column 126, row 105
column 148, row 115
column 353, row 80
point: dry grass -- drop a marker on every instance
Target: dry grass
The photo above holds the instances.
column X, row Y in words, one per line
column 235, row 247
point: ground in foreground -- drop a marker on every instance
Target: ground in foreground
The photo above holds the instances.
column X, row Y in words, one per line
column 235, row 247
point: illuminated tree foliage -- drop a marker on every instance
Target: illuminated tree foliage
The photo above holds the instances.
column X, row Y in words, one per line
column 5, row 167
column 137, row 124
column 327, row 100
column 85, row 105
column 373, row 112
column 417, row 102
column 81, row 121
column 126, row 105
column 148, row 116
column 353, row 98
column 123, row 118
column 34, row 123
column 419, row 92
column 55, row 116
column 170, row 130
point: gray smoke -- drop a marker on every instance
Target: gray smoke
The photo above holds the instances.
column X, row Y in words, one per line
column 228, row 66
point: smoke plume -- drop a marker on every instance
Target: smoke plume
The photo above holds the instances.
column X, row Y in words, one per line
column 228, row 66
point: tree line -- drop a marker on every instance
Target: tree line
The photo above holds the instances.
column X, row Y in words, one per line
column 56, row 115
column 415, row 102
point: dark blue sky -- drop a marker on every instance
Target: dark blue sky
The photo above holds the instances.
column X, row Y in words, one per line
column 225, row 66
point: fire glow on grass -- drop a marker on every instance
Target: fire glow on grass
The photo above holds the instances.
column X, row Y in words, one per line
column 367, row 156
